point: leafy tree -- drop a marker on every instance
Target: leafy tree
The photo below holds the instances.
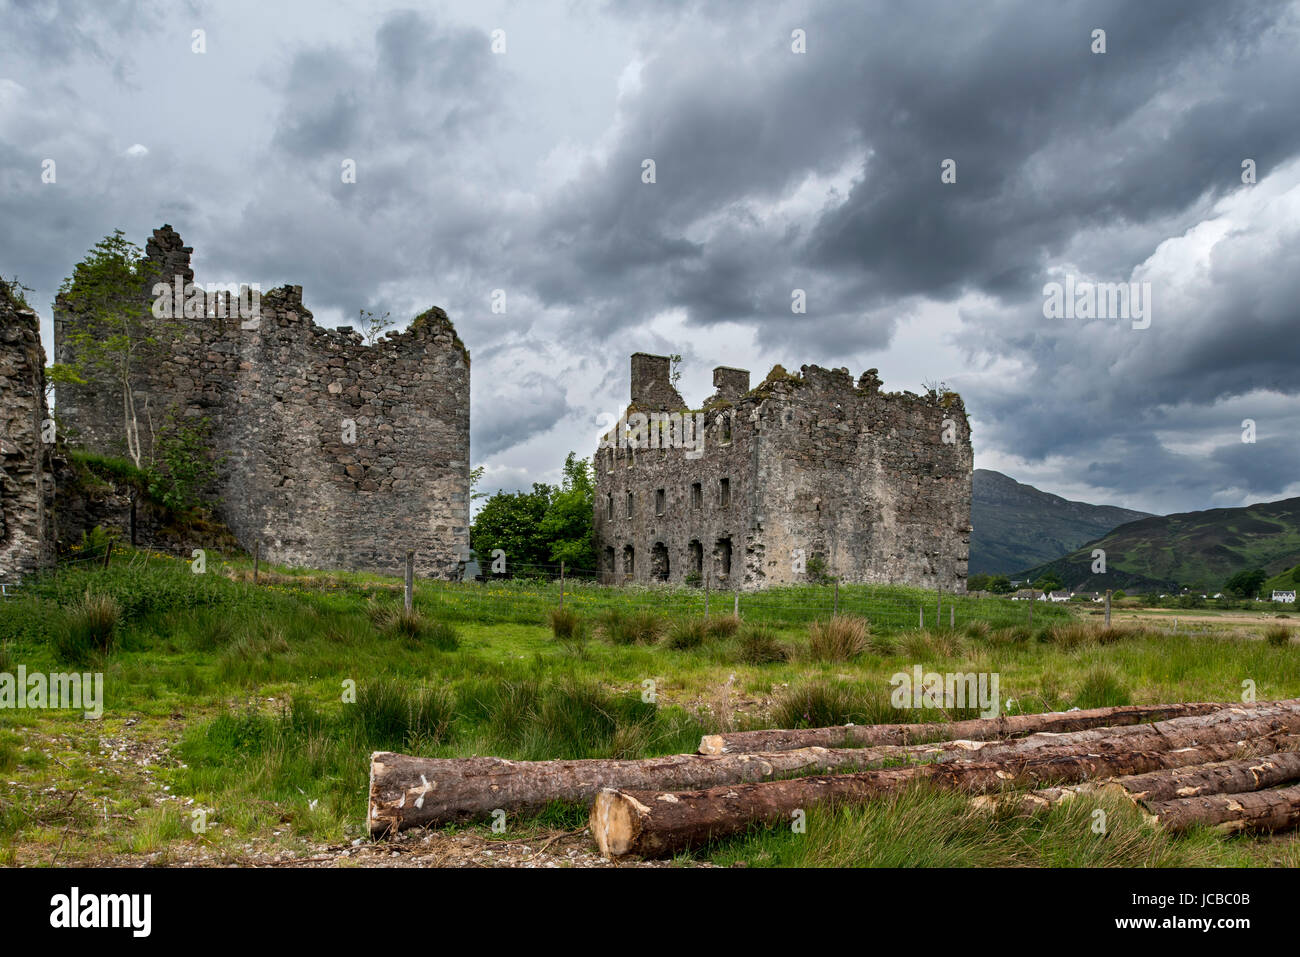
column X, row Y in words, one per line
column 1246, row 584
column 568, row 520
column 1049, row 582
column 116, row 335
column 978, row 582
column 549, row 525
column 1000, row 585
column 512, row 522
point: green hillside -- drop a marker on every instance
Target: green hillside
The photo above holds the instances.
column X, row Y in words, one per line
column 1200, row 549
column 1014, row 525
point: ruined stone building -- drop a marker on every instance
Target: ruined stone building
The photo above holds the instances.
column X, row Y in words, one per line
column 26, row 486
column 330, row 452
column 803, row 473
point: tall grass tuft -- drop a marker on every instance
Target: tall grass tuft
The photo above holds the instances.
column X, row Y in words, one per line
column 756, row 645
column 686, row 633
column 388, row 714
column 566, row 626
column 620, row 627
column 1102, row 688
column 415, row 630
column 838, row 638
column 722, row 626
column 1278, row 636
column 89, row 628
column 820, row 704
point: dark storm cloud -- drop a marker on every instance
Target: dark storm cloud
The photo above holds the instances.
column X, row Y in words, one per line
column 775, row 171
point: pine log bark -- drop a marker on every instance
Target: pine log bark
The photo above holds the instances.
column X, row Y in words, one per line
column 657, row 823
column 977, row 729
column 1273, row 809
column 1230, row 767
column 408, row 791
column 1220, row 777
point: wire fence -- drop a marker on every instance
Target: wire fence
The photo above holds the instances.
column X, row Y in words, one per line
column 528, row 594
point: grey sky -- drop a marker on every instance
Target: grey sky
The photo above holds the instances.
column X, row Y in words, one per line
column 775, row 170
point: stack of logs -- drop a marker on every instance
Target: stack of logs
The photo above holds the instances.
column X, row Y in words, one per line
column 1231, row 766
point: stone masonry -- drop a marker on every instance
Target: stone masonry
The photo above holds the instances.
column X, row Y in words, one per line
column 26, row 537
column 331, row 453
column 877, row 486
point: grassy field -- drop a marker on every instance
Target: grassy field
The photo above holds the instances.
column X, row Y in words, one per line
column 238, row 719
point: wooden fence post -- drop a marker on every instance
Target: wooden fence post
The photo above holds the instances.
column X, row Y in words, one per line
column 920, row 616
column 836, row 607
column 257, row 555
column 952, row 615
column 1107, row 607
column 108, row 553
column 410, row 581
column 561, row 583
column 938, row 607
column 735, row 605
column 706, row 594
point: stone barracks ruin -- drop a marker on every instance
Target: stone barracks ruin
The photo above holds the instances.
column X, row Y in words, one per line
column 807, row 474
column 330, row 453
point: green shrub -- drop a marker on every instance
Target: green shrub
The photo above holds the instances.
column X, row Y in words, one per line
column 839, row 638
column 89, row 628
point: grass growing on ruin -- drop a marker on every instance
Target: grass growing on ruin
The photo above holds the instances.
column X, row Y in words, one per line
column 259, row 706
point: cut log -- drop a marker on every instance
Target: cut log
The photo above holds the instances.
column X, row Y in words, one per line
column 977, row 729
column 1220, row 777
column 1275, row 809
column 408, row 791
column 1213, row 768
column 656, row 823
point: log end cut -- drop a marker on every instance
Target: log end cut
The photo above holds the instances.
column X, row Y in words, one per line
column 616, row 822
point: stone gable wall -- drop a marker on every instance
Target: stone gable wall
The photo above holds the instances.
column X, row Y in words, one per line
column 332, row 453
column 26, row 534
column 862, row 479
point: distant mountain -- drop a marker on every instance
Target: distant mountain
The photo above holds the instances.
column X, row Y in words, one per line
column 1190, row 548
column 1015, row 526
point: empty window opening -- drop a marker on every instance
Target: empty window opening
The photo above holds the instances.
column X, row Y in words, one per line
column 659, row 562
column 722, row 558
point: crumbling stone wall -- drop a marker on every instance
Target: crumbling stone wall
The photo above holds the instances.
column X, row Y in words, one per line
column 876, row 485
column 26, row 539
column 331, row 453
